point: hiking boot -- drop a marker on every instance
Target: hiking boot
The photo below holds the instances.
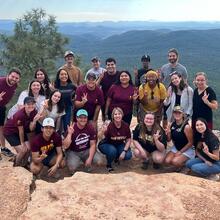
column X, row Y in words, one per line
column 156, row 166
column 145, row 165
column 5, row 151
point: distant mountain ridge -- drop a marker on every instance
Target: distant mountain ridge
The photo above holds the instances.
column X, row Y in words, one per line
column 108, row 28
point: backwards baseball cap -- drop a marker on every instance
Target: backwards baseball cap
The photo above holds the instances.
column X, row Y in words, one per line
column 91, row 75
column 68, row 52
column 48, row 122
column 29, row 99
column 145, row 58
column 178, row 109
column 95, row 59
column 82, row 112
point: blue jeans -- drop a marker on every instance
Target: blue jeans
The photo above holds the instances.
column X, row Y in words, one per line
column 113, row 152
column 200, row 167
column 67, row 117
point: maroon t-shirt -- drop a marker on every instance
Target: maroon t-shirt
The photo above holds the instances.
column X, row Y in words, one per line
column 39, row 144
column 20, row 118
column 121, row 97
column 116, row 135
column 10, row 91
column 81, row 137
column 107, row 81
column 95, row 97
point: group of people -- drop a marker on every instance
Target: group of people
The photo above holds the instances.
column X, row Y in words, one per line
column 55, row 124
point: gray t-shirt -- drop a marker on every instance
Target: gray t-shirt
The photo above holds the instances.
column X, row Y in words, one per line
column 97, row 72
column 167, row 69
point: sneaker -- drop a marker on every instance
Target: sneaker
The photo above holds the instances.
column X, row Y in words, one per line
column 7, row 152
column 145, row 165
column 109, row 169
column 156, row 166
column 117, row 161
column 213, row 177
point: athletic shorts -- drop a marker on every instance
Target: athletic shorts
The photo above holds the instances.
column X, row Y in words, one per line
column 46, row 161
column 14, row 139
column 2, row 115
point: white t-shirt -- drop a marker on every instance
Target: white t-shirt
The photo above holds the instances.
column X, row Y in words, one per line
column 20, row 103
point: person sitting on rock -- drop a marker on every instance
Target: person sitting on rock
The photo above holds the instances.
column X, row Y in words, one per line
column 46, row 149
column 181, row 135
column 207, row 162
column 16, row 130
column 150, row 138
column 80, row 143
column 117, row 141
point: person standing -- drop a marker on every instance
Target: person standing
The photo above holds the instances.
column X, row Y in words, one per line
column 178, row 93
column 8, row 87
column 107, row 79
column 90, row 97
column 165, row 75
column 122, row 94
column 173, row 65
column 74, row 72
column 96, row 68
column 67, row 89
column 204, row 100
column 140, row 73
column 151, row 96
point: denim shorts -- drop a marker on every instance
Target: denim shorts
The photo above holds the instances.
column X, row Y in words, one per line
column 190, row 153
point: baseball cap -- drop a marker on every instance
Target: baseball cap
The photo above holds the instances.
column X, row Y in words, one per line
column 29, row 99
column 91, row 75
column 178, row 109
column 48, row 122
column 145, row 57
column 95, row 59
column 68, row 52
column 82, row 112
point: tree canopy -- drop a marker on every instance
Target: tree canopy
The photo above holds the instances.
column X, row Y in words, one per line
column 35, row 43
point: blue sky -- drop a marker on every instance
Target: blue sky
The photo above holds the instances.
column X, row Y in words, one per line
column 115, row 10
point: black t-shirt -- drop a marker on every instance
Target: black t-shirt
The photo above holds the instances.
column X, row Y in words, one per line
column 140, row 79
column 148, row 144
column 67, row 92
column 178, row 136
column 200, row 109
column 213, row 144
column 178, row 97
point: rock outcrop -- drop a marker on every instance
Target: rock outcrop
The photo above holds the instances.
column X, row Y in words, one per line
column 15, row 183
column 122, row 195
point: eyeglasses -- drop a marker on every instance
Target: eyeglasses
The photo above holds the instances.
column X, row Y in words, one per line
column 152, row 94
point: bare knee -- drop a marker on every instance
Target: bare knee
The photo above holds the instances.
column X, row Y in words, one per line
column 158, row 157
column 177, row 162
column 36, row 168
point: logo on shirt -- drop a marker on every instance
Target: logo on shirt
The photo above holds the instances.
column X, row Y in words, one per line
column 82, row 140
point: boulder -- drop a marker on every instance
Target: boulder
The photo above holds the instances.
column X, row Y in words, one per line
column 15, row 185
column 127, row 195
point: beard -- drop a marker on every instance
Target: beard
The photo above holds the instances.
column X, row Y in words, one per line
column 172, row 61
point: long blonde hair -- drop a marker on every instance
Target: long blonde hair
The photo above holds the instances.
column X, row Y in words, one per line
column 143, row 128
